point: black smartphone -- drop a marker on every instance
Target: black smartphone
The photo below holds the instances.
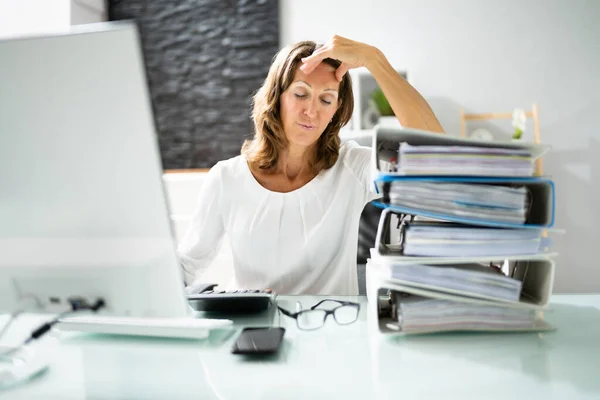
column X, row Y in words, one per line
column 258, row 340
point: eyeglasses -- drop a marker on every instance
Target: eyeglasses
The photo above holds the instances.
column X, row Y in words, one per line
column 314, row 318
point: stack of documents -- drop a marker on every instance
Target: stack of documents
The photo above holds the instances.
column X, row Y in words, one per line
column 421, row 315
column 497, row 203
column 464, row 160
column 461, row 244
column 469, row 279
column 438, row 239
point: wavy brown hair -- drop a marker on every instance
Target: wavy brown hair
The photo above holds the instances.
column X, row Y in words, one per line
column 263, row 150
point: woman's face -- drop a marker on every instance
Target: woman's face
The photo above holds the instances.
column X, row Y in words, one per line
column 308, row 105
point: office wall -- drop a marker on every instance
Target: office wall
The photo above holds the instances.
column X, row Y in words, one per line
column 205, row 59
column 19, row 17
column 495, row 55
column 88, row 11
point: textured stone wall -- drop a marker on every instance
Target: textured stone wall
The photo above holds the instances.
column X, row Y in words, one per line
column 204, row 59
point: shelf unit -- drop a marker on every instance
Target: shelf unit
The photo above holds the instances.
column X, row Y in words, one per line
column 363, row 83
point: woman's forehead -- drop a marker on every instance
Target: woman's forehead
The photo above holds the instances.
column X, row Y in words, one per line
column 322, row 77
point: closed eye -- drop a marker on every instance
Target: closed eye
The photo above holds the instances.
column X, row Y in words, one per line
column 326, row 101
column 300, row 96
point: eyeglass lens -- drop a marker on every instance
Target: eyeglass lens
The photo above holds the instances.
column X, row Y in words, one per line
column 345, row 314
column 311, row 319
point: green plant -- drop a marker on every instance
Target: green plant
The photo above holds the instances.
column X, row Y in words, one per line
column 519, row 123
column 381, row 102
column 518, row 133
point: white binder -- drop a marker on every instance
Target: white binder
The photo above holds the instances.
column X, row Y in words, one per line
column 396, row 252
column 538, row 279
column 536, row 275
column 386, row 142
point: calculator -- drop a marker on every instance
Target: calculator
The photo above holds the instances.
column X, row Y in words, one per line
column 232, row 301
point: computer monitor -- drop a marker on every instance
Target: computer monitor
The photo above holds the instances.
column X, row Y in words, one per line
column 83, row 211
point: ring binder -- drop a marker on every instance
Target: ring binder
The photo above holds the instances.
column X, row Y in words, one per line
column 540, row 191
column 418, row 239
column 439, row 271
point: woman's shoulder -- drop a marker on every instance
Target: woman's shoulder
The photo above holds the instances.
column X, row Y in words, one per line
column 351, row 146
column 354, row 156
column 224, row 175
column 230, row 168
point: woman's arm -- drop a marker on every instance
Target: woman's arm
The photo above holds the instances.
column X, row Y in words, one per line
column 409, row 106
column 204, row 237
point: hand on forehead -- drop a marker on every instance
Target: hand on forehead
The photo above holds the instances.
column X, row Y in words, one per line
column 350, row 53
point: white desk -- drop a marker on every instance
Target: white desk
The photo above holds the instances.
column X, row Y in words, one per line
column 345, row 362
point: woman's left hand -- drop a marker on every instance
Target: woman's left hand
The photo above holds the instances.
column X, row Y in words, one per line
column 352, row 54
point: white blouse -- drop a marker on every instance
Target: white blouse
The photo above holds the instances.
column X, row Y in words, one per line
column 300, row 242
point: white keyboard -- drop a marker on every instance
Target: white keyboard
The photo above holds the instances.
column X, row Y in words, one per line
column 188, row 328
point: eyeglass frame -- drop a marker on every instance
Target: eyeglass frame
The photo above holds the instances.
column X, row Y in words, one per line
column 327, row 312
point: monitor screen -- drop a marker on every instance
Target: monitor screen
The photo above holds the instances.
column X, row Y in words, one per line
column 82, row 205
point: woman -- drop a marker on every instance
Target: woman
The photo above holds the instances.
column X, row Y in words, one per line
column 291, row 202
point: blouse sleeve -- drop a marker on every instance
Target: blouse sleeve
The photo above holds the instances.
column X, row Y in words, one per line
column 204, row 237
column 359, row 160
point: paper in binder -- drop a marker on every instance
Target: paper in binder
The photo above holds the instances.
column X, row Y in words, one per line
column 498, row 203
column 489, row 201
column 418, row 241
column 536, row 277
column 469, row 279
column 458, row 309
column 462, row 241
column 464, row 160
column 406, row 151
column 416, row 314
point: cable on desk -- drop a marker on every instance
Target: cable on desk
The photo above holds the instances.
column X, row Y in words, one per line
column 77, row 304
column 13, row 315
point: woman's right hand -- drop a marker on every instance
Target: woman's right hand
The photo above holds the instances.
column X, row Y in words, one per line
column 351, row 53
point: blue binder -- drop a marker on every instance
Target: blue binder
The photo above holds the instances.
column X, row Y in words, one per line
column 542, row 191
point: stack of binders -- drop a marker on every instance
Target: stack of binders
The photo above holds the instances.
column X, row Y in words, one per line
column 462, row 243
